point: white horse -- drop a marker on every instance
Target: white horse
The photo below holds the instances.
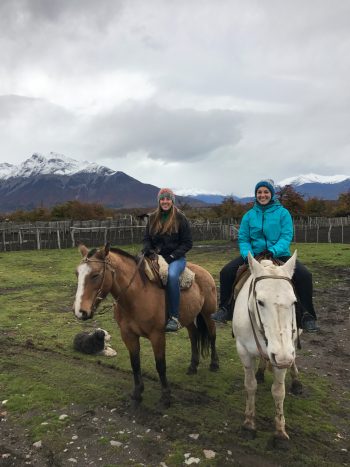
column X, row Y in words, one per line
column 264, row 324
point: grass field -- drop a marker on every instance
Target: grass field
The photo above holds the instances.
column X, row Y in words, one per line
column 42, row 376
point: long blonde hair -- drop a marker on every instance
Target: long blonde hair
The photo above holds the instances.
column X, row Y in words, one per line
column 156, row 226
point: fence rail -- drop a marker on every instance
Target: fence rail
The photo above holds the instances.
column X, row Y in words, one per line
column 67, row 234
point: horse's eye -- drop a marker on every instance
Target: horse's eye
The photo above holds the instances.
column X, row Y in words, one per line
column 95, row 276
column 260, row 303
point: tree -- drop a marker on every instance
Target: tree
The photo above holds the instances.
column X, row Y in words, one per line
column 230, row 208
column 343, row 205
column 315, row 207
column 292, row 200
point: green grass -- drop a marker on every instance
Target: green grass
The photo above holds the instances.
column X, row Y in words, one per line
column 41, row 375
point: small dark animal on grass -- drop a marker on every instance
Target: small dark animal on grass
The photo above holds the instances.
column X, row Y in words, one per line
column 93, row 343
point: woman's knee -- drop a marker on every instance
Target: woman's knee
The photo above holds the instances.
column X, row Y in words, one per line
column 302, row 273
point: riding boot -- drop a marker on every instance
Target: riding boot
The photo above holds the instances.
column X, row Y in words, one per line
column 308, row 323
column 172, row 325
column 223, row 314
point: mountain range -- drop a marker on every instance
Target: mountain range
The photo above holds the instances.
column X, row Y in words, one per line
column 46, row 181
column 309, row 186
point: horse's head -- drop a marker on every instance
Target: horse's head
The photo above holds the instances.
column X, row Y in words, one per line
column 95, row 276
column 272, row 301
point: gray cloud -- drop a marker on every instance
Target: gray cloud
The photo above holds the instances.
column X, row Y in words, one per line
column 167, row 135
column 224, row 92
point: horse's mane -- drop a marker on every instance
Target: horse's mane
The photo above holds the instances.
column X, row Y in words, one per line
column 134, row 258
column 121, row 252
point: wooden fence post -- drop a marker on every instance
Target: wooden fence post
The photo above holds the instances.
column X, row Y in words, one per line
column 38, row 238
column 58, row 239
column 72, row 236
column 329, row 233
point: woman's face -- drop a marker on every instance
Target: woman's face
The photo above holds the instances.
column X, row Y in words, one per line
column 263, row 195
column 165, row 204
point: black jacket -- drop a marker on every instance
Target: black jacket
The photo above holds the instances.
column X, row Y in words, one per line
column 176, row 244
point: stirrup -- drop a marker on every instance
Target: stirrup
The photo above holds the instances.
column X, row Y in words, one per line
column 172, row 325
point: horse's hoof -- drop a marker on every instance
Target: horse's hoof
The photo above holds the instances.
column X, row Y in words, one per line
column 136, row 398
column 296, row 388
column 135, row 403
column 191, row 370
column 165, row 404
column 247, row 433
column 282, row 444
column 165, row 401
column 214, row 367
column 260, row 377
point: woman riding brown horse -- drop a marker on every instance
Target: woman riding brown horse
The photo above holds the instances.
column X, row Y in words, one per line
column 140, row 309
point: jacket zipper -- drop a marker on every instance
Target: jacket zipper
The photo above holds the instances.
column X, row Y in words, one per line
column 262, row 228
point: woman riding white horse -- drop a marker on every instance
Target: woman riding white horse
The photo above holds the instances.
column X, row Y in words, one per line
column 267, row 228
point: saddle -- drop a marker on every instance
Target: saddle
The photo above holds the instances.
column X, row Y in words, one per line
column 157, row 271
column 243, row 273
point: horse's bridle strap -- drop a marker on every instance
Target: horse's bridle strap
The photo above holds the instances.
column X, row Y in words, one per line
column 252, row 288
column 107, row 265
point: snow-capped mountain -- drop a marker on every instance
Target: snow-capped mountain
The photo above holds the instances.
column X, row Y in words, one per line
column 319, row 186
column 55, row 164
column 313, row 178
column 46, row 181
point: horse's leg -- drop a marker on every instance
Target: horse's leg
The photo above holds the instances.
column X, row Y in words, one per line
column 214, row 358
column 278, row 393
column 250, row 385
column 296, row 386
column 158, row 345
column 260, row 374
column 194, row 336
column 132, row 342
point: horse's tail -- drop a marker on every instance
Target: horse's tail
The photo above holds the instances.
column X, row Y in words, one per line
column 203, row 339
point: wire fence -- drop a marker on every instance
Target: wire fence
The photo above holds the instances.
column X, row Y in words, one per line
column 67, row 234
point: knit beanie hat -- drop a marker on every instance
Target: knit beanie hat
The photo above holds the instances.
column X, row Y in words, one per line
column 268, row 183
column 166, row 193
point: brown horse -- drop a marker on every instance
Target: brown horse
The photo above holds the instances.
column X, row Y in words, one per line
column 140, row 309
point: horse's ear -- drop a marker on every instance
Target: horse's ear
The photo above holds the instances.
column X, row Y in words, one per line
column 289, row 266
column 107, row 248
column 254, row 265
column 83, row 250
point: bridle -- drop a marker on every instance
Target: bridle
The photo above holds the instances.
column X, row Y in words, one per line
column 252, row 290
column 108, row 266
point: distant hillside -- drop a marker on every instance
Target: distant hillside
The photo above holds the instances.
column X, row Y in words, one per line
column 41, row 181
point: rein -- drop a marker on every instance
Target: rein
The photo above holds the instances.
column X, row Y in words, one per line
column 107, row 265
column 252, row 289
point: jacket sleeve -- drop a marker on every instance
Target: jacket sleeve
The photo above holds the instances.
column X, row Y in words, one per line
column 147, row 240
column 284, row 241
column 185, row 237
column 244, row 237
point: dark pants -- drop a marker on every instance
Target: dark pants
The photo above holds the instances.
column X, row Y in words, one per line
column 302, row 280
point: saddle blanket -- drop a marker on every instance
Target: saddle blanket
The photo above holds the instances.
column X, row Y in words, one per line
column 186, row 278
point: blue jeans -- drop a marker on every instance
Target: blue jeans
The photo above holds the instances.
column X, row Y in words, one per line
column 173, row 286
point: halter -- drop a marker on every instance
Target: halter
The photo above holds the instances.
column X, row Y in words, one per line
column 107, row 265
column 252, row 289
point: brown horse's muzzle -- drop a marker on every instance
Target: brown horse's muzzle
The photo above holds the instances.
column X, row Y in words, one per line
column 85, row 316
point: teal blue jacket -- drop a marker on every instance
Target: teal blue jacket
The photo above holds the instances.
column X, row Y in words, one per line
column 266, row 228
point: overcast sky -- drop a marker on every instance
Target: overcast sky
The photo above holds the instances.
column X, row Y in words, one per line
column 196, row 95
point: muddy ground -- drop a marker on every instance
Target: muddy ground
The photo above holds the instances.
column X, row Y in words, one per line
column 143, row 437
